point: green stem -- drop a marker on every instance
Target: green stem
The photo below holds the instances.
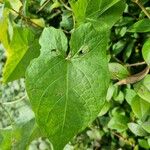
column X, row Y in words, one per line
column 68, row 8
column 15, row 101
column 42, row 7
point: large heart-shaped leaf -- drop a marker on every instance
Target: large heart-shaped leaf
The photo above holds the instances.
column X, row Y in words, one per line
column 67, row 88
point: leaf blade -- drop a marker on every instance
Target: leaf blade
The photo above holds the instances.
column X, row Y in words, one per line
column 68, row 91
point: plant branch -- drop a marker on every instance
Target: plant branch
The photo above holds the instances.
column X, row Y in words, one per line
column 15, row 101
column 136, row 64
column 28, row 20
column 25, row 18
column 42, row 7
column 138, row 2
column 134, row 78
column 68, row 8
column 124, row 139
column 117, row 60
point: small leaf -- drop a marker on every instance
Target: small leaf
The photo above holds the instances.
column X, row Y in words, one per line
column 67, row 21
column 40, row 22
column 119, row 46
column 143, row 88
column 118, row 122
column 128, row 50
column 129, row 95
column 141, row 26
column 137, row 129
column 146, row 126
column 67, row 92
column 118, row 71
column 146, row 51
column 119, row 97
column 140, row 107
column 105, row 109
column 143, row 143
column 110, row 92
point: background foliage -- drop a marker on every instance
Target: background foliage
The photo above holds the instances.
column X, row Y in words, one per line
column 124, row 121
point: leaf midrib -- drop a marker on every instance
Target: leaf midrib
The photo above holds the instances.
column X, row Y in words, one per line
column 66, row 100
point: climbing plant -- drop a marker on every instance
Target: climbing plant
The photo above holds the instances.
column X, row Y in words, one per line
column 78, row 58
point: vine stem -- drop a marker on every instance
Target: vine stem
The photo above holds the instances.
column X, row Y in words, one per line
column 134, row 78
column 15, row 101
column 138, row 2
column 124, row 139
column 44, row 5
column 25, row 18
column 68, row 8
column 136, row 64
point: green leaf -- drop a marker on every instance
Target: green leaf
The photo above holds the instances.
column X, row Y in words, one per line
column 118, row 122
column 137, row 129
column 19, row 136
column 146, row 51
column 146, row 126
column 143, row 143
column 105, row 109
column 118, row 71
column 119, row 97
column 5, row 138
column 128, row 50
column 14, row 4
column 22, row 49
column 22, row 131
column 143, row 88
column 4, row 34
column 67, row 92
column 101, row 13
column 129, row 95
column 67, row 21
column 148, row 140
column 119, row 46
column 140, row 107
column 141, row 26
column 110, row 92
